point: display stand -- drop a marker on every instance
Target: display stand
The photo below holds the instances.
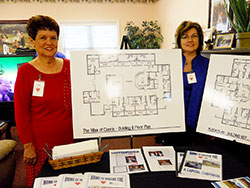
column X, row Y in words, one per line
column 125, row 42
column 131, row 142
column 99, row 143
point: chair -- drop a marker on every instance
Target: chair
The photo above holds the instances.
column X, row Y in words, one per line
column 7, row 162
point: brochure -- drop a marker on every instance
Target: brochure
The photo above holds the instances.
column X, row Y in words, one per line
column 242, row 182
column 94, row 180
column 200, row 165
column 88, row 180
column 46, row 182
column 127, row 161
column 160, row 158
column 70, row 181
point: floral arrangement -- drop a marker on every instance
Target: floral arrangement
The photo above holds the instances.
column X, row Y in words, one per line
column 147, row 37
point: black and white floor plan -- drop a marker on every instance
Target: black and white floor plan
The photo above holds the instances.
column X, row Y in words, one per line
column 237, row 87
column 148, row 78
column 230, row 104
column 126, row 92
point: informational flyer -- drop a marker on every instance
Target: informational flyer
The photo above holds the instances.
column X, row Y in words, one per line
column 70, row 181
column 126, row 92
column 225, row 106
column 127, row 161
column 160, row 158
column 200, row 165
column 46, row 182
column 106, row 180
column 242, row 182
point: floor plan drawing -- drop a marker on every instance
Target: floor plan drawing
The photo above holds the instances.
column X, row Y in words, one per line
column 149, row 77
column 233, row 115
column 127, row 91
column 237, row 87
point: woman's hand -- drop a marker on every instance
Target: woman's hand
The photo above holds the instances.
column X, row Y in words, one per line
column 29, row 156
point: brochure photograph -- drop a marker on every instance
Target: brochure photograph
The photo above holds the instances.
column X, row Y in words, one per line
column 160, row 158
column 127, row 161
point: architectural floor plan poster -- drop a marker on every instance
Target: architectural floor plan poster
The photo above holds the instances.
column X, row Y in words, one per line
column 126, row 92
column 225, row 110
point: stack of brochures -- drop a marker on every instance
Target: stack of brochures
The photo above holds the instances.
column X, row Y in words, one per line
column 70, row 150
column 84, row 180
column 199, row 165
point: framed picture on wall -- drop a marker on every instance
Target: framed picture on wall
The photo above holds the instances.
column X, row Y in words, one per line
column 224, row 41
column 208, row 38
column 218, row 17
column 13, row 35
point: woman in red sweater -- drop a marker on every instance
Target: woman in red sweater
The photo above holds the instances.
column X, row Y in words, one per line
column 43, row 97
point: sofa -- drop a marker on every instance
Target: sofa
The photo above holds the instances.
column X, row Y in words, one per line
column 7, row 162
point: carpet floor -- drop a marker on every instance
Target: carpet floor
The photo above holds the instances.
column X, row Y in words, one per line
column 20, row 177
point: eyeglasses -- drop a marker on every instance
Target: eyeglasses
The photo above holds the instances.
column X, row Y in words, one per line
column 185, row 37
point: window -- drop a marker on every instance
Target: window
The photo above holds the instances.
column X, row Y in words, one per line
column 89, row 36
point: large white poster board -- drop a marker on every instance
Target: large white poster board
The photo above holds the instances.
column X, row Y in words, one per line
column 126, row 92
column 225, row 110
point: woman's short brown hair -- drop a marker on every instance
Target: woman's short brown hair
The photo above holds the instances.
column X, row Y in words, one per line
column 183, row 28
column 40, row 22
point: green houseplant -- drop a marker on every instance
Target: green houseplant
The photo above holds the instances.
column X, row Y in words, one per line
column 241, row 22
column 147, row 37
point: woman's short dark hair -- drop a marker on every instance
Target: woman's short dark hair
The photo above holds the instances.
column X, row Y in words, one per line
column 183, row 28
column 40, row 22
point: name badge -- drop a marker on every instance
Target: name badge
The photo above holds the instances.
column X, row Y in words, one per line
column 191, row 78
column 38, row 88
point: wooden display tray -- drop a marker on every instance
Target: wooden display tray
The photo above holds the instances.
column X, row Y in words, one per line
column 76, row 160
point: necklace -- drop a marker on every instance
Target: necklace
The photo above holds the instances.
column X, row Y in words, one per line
column 48, row 68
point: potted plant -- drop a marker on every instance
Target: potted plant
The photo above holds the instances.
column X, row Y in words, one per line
column 147, row 37
column 241, row 22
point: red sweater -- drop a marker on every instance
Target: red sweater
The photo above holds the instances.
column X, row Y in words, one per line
column 46, row 119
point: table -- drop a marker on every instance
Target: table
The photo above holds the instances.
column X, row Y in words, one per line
column 232, row 168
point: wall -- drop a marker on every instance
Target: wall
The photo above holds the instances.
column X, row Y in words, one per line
column 81, row 11
column 169, row 13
